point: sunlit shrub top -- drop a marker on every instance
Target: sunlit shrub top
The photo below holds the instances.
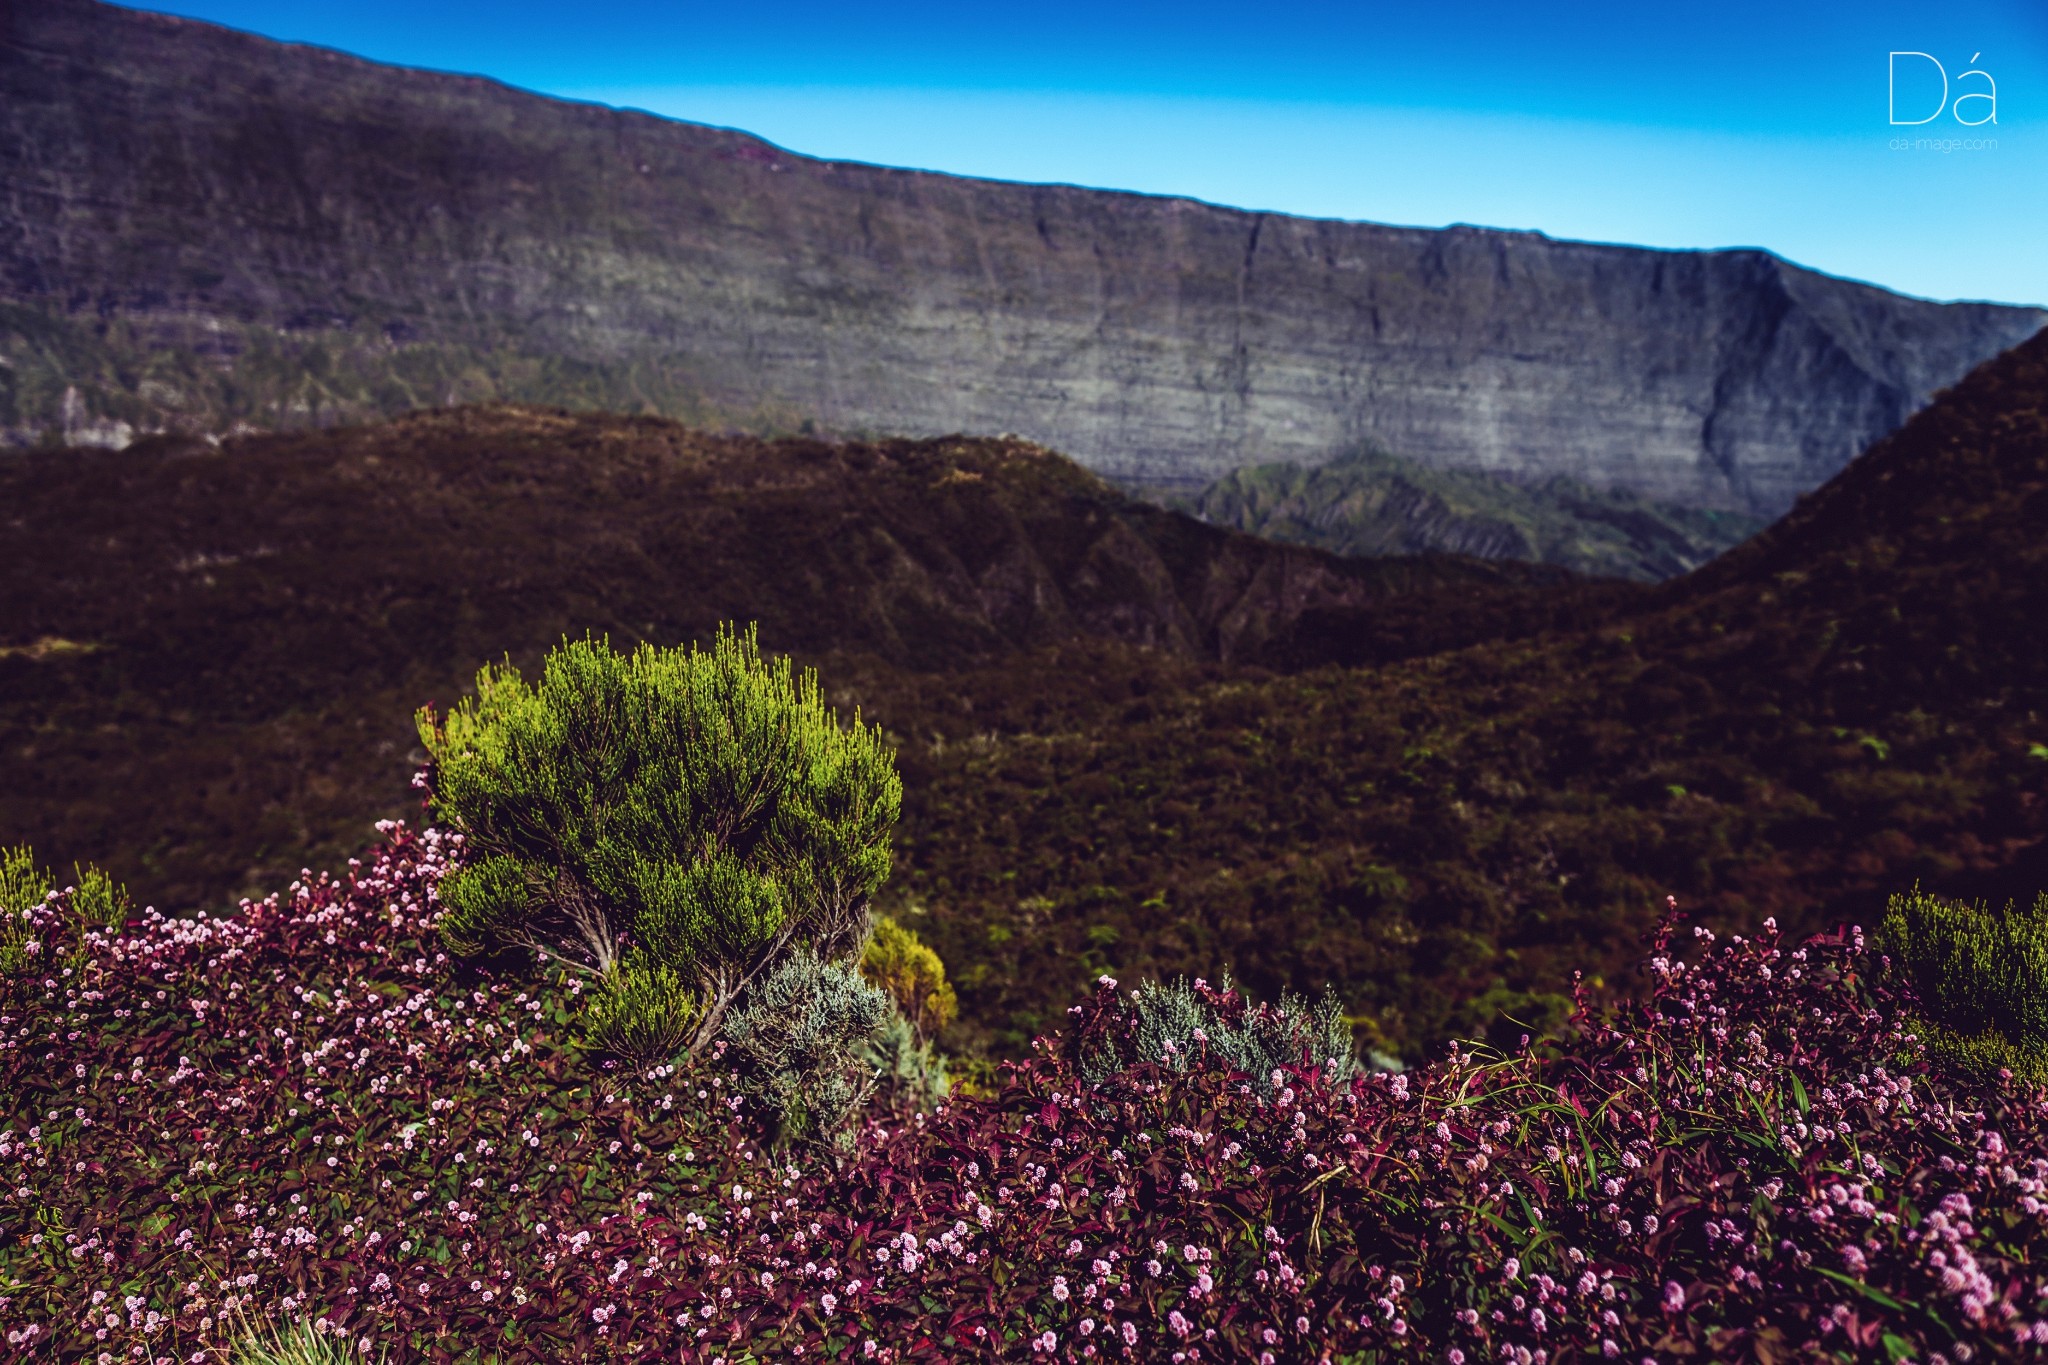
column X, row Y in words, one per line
column 705, row 803
column 900, row 962
column 305, row 1110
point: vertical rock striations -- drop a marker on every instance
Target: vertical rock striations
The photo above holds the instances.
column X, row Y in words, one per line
column 199, row 227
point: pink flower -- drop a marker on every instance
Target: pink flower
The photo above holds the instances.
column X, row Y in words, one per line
column 1674, row 1297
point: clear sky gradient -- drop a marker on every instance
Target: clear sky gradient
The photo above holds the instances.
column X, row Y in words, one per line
column 1744, row 123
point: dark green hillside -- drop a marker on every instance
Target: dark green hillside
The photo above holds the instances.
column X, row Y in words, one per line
column 1857, row 700
column 1374, row 503
column 1125, row 745
column 209, row 659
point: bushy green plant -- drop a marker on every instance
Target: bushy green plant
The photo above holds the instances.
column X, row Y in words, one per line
column 907, row 1068
column 705, row 804
column 1181, row 1022
column 900, row 962
column 299, row 1344
column 643, row 1010
column 22, row 885
column 98, row 899
column 1978, row 978
column 797, row 1039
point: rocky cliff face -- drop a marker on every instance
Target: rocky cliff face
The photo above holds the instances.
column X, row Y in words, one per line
column 199, row 227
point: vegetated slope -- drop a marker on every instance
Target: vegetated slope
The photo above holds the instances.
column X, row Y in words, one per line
column 209, row 659
column 303, row 1112
column 1856, row 700
column 200, row 227
column 1376, row 503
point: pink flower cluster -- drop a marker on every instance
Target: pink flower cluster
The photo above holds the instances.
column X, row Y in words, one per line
column 305, row 1110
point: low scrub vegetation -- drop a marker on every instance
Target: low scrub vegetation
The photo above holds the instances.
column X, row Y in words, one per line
column 1372, row 502
column 701, row 806
column 1978, row 977
column 1439, row 785
column 616, row 1064
column 693, row 833
column 307, row 1116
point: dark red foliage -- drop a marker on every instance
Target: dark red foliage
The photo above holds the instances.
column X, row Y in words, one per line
column 304, row 1110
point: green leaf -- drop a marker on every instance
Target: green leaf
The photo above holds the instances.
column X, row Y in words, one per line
column 1878, row 1296
column 1799, row 1094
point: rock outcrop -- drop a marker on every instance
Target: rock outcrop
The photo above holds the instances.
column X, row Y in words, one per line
column 200, row 228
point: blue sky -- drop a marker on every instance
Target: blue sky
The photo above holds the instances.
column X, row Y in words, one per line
column 1739, row 124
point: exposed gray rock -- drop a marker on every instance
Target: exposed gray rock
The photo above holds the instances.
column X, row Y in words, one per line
column 280, row 234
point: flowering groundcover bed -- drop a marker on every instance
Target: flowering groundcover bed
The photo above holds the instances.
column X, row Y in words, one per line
column 304, row 1111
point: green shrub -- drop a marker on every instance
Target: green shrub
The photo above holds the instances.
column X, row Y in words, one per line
column 1180, row 1020
column 643, row 1010
column 1978, row 979
column 899, row 962
column 906, row 1067
column 1982, row 1054
column 22, row 885
column 798, row 1038
column 98, row 899
column 704, row 804
column 299, row 1344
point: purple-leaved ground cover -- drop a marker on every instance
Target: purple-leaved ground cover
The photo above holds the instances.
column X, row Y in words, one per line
column 306, row 1111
